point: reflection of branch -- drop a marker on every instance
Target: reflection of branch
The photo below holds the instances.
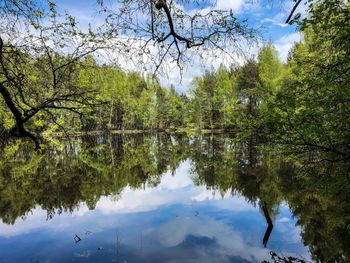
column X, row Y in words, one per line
column 77, row 239
column 283, row 259
column 269, row 227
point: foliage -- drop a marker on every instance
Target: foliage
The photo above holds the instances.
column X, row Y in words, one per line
column 309, row 103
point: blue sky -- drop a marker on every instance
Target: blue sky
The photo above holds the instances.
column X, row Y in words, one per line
column 268, row 16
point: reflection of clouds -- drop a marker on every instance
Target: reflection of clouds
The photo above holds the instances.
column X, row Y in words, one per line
column 33, row 222
column 227, row 202
column 179, row 180
column 188, row 237
column 84, row 254
column 290, row 234
column 207, row 195
column 283, row 220
column 290, row 231
column 173, row 189
column 229, row 243
column 81, row 211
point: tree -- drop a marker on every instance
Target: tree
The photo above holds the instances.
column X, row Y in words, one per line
column 175, row 31
column 224, row 98
column 205, row 111
column 270, row 69
column 37, row 74
column 311, row 106
column 39, row 64
column 247, row 86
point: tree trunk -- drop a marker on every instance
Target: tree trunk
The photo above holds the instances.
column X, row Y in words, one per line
column 19, row 130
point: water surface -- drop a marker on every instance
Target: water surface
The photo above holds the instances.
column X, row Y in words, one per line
column 159, row 199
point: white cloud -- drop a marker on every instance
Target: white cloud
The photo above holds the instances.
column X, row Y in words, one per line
column 285, row 43
column 274, row 21
column 134, row 54
column 284, row 9
column 205, row 60
column 234, row 5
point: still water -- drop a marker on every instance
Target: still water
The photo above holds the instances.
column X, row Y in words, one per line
column 164, row 199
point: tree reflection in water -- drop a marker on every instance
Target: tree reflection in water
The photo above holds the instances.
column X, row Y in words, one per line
column 90, row 167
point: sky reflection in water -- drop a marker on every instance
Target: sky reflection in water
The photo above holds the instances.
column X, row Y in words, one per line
column 173, row 222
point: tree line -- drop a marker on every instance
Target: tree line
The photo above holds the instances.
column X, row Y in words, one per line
column 303, row 102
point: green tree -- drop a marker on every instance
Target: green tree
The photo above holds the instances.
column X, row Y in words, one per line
column 310, row 109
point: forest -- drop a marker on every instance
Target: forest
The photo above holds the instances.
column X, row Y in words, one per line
column 104, row 157
column 303, row 102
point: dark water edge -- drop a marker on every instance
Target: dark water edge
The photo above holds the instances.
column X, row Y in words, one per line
column 170, row 198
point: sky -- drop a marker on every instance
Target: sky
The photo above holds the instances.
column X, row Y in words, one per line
column 268, row 16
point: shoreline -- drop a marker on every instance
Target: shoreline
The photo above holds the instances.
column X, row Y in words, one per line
column 132, row 132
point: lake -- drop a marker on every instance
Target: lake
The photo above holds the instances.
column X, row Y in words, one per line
column 170, row 198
